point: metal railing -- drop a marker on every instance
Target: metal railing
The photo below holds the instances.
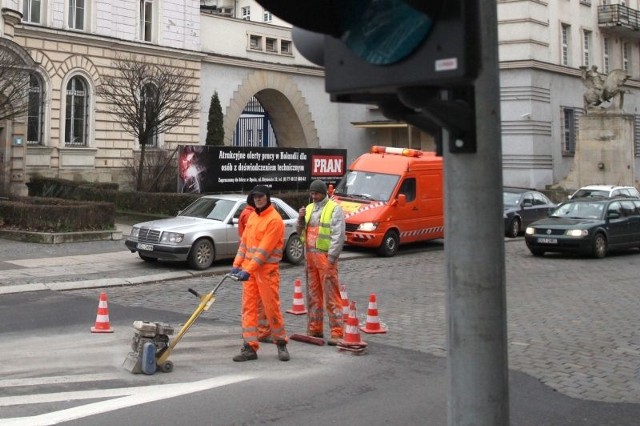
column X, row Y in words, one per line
column 618, row 15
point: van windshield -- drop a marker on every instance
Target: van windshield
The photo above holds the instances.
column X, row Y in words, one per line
column 367, row 185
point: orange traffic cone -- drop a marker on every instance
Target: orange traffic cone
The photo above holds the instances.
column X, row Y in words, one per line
column 102, row 318
column 351, row 341
column 345, row 303
column 372, row 325
column 298, row 300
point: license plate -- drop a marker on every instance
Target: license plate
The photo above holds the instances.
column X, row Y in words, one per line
column 147, row 247
column 548, row 240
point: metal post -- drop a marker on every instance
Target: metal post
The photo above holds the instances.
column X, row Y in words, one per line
column 474, row 245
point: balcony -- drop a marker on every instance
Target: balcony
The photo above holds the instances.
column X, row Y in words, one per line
column 619, row 20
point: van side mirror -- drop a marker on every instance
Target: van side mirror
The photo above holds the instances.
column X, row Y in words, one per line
column 402, row 200
column 612, row 214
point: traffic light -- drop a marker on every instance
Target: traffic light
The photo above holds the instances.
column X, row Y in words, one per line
column 416, row 59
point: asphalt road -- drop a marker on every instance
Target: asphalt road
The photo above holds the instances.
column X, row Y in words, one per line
column 573, row 343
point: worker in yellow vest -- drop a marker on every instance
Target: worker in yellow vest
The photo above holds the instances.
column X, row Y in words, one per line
column 321, row 226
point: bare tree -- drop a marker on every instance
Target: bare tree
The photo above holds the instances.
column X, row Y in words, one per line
column 14, row 85
column 148, row 99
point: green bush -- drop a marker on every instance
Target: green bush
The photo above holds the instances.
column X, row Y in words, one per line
column 56, row 215
column 151, row 203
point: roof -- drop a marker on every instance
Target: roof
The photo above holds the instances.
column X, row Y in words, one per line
column 605, row 187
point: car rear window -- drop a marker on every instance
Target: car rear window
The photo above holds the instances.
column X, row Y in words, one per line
column 590, row 193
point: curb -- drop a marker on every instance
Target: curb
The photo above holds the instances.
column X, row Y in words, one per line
column 103, row 282
column 60, row 237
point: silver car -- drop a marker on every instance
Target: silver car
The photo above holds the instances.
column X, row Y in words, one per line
column 206, row 231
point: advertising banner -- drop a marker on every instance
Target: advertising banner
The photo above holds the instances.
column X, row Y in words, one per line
column 210, row 169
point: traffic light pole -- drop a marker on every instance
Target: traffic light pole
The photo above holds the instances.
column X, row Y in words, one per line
column 443, row 74
column 474, row 246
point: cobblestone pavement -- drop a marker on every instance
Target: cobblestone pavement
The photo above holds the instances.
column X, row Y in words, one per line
column 572, row 322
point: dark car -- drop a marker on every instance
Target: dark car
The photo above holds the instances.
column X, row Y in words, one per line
column 523, row 206
column 587, row 227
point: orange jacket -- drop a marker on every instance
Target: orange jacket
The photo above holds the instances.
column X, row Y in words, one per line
column 262, row 241
column 244, row 217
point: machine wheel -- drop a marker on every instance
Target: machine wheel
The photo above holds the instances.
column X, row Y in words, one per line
column 599, row 248
column 390, row 243
column 536, row 252
column 201, row 255
column 514, row 228
column 294, row 250
column 146, row 258
column 167, row 367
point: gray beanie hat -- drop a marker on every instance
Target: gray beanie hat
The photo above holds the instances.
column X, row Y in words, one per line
column 318, row 186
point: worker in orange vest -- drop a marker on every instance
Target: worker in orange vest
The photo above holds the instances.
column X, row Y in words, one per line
column 257, row 264
column 264, row 333
column 321, row 226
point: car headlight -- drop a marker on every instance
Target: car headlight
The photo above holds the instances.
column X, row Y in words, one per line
column 134, row 232
column 530, row 230
column 171, row 237
column 577, row 233
column 368, row 226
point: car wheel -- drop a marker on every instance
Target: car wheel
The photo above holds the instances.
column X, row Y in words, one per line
column 599, row 249
column 201, row 255
column 514, row 228
column 146, row 258
column 536, row 252
column 390, row 243
column 294, row 250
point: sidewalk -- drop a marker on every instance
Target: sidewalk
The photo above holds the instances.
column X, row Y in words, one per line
column 27, row 267
column 103, row 264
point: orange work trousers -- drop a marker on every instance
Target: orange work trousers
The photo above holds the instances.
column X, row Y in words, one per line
column 263, row 285
column 323, row 290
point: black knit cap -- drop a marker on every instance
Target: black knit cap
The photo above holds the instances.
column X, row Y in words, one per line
column 259, row 190
column 318, row 186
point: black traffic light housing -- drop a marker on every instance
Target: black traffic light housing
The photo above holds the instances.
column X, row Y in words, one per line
column 430, row 87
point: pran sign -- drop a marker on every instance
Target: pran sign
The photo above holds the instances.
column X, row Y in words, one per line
column 327, row 165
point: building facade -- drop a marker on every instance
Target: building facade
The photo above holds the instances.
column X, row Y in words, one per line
column 68, row 132
column 542, row 45
column 246, row 55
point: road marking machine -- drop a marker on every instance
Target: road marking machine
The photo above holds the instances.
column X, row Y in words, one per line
column 151, row 343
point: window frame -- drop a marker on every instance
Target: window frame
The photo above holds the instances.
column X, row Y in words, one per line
column 70, row 108
column 286, row 47
column 245, row 13
column 153, row 140
column 626, row 57
column 271, row 45
column 35, row 120
column 72, row 15
column 565, row 44
column 587, row 37
column 28, row 9
column 255, row 42
column 569, row 129
column 605, row 55
column 147, row 21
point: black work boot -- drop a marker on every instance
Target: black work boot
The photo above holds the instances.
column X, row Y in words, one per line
column 283, row 354
column 246, row 354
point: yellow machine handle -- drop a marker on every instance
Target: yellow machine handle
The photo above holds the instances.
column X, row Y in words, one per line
column 206, row 301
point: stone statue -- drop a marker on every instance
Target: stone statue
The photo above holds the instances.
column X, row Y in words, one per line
column 601, row 89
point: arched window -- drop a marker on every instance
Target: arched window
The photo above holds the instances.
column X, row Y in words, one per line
column 76, row 112
column 150, row 100
column 35, row 112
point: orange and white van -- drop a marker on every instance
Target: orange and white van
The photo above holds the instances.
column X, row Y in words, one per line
column 392, row 196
